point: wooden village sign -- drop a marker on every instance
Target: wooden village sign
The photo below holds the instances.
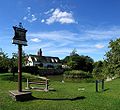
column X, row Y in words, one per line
column 19, row 39
column 20, row 35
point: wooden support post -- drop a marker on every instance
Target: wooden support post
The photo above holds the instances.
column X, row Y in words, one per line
column 46, row 85
column 28, row 86
column 96, row 83
column 102, row 84
column 19, row 68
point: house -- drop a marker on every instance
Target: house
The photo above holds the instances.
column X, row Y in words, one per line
column 43, row 61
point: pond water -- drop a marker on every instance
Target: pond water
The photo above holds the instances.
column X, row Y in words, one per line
column 56, row 77
column 61, row 78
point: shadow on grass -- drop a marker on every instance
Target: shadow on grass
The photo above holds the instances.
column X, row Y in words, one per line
column 102, row 91
column 59, row 99
column 10, row 77
column 107, row 89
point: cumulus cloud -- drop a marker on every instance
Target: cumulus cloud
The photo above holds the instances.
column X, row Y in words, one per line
column 42, row 21
column 61, row 43
column 33, row 18
column 99, row 46
column 49, row 11
column 30, row 17
column 35, row 40
column 56, row 15
column 25, row 18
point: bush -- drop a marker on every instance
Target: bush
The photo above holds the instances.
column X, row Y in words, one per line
column 13, row 70
column 77, row 74
column 3, row 69
column 31, row 69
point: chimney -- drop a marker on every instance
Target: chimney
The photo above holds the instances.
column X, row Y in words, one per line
column 39, row 52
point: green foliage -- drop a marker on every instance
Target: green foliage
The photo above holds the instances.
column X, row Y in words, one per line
column 77, row 62
column 10, row 63
column 98, row 70
column 4, row 62
column 113, row 57
column 14, row 59
column 77, row 74
column 74, row 53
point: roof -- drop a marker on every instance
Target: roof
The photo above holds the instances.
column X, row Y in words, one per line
column 45, row 59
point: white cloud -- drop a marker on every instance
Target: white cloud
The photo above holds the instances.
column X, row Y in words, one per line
column 61, row 43
column 58, row 36
column 62, row 17
column 24, row 18
column 42, row 21
column 49, row 11
column 35, row 40
column 28, row 8
column 102, row 34
column 99, row 46
column 33, row 18
column 66, row 20
column 30, row 17
column 96, row 36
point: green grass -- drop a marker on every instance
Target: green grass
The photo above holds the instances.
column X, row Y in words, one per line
column 67, row 96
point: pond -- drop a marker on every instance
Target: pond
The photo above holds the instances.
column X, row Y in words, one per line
column 61, row 78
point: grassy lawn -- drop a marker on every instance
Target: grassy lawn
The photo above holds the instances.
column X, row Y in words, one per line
column 67, row 96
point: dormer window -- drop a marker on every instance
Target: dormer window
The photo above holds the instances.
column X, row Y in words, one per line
column 52, row 60
column 56, row 60
column 35, row 59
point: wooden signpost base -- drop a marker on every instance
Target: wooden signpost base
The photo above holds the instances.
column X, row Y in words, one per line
column 21, row 96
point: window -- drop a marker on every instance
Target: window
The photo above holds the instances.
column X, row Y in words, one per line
column 56, row 60
column 52, row 60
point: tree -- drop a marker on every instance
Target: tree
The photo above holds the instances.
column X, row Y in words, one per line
column 113, row 58
column 14, row 62
column 74, row 53
column 65, row 60
column 14, row 58
column 4, row 62
column 99, row 73
column 76, row 62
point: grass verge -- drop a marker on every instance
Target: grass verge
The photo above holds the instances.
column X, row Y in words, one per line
column 66, row 96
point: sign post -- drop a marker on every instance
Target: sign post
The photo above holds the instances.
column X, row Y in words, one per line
column 20, row 68
column 20, row 39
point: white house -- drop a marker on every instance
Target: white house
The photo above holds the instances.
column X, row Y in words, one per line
column 42, row 61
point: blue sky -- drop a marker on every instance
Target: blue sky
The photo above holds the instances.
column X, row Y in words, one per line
column 59, row 26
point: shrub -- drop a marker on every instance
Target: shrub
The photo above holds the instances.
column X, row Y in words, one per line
column 77, row 74
column 3, row 69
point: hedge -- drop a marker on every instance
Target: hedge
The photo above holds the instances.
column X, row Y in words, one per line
column 3, row 70
column 42, row 71
column 77, row 74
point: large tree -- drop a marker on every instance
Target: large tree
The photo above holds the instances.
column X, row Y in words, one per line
column 77, row 62
column 4, row 62
column 14, row 58
column 98, row 70
column 113, row 57
column 99, row 73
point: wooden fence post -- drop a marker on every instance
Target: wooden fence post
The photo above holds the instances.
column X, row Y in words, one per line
column 96, row 82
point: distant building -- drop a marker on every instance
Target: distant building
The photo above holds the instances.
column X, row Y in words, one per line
column 42, row 61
